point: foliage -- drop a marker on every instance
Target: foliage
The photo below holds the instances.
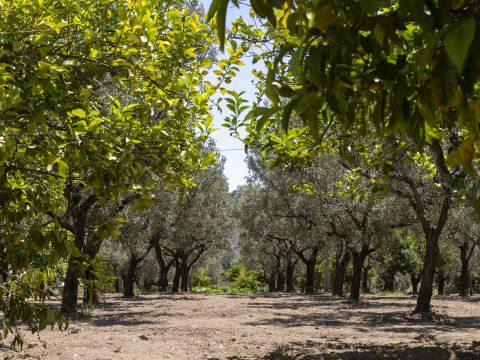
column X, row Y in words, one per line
column 242, row 280
column 201, row 279
column 404, row 254
column 399, row 66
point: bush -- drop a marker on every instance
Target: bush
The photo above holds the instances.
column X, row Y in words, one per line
column 243, row 281
column 202, row 280
column 234, row 271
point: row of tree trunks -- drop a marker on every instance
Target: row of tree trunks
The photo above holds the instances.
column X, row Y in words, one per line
column 281, row 277
column 183, row 265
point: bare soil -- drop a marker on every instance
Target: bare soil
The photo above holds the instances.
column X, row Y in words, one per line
column 262, row 327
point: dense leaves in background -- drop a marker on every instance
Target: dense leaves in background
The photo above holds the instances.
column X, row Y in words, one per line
column 96, row 98
column 403, row 67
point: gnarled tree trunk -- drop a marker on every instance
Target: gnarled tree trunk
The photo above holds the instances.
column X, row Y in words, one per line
column 326, row 275
column 365, row 283
column 441, row 279
column 310, row 276
column 428, row 273
column 388, row 280
column 358, row 258
column 184, row 272
column 70, row 289
column 272, row 282
column 341, row 263
column 176, row 276
column 290, row 282
column 464, row 281
column 78, row 212
column 415, row 279
column 310, row 263
column 131, row 272
column 130, row 277
column 92, row 248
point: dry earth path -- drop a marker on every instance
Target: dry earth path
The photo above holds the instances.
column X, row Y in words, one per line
column 262, row 327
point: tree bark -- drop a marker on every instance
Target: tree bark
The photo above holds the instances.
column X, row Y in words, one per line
column 176, row 277
column 280, row 282
column 465, row 285
column 358, row 258
column 130, row 277
column 326, row 275
column 164, row 276
column 163, row 264
column 291, row 275
column 365, row 283
column 310, row 276
column 415, row 279
column 117, row 285
column 131, row 272
column 90, row 295
column 184, row 272
column 92, row 248
column 70, row 289
column 441, row 278
column 428, row 273
column 431, row 231
column 310, row 263
column 388, row 280
column 78, row 212
column 341, row 264
column 272, row 283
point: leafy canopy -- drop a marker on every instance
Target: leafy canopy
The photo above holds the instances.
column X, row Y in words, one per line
column 403, row 67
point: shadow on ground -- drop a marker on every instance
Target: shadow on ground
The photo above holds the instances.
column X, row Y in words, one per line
column 317, row 351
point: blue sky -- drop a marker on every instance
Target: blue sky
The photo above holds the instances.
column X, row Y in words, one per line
column 235, row 168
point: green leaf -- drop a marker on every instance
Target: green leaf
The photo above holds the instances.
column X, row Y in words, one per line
column 221, row 22
column 458, row 41
column 212, row 9
column 287, row 113
column 80, row 113
column 444, row 82
column 378, row 33
column 267, row 113
column 62, row 168
column 37, row 90
column 324, row 16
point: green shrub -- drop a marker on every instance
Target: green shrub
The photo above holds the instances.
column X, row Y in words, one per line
column 243, row 281
column 202, row 280
column 234, row 271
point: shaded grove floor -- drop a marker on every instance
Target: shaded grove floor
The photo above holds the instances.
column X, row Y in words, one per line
column 262, row 327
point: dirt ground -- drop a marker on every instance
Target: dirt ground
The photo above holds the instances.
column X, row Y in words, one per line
column 262, row 327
